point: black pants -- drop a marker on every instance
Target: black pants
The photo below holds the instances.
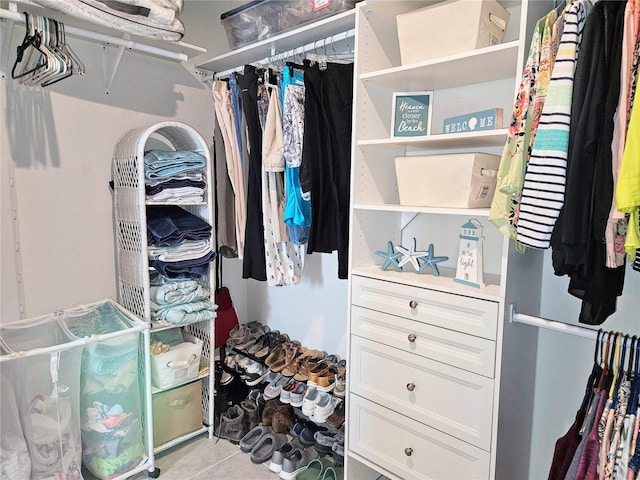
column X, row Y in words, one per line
column 253, row 263
column 326, row 160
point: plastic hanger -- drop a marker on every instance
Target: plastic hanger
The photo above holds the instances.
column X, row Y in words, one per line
column 614, row 364
column 77, row 65
column 621, row 374
column 31, row 42
column 596, row 372
column 53, row 62
column 63, row 62
column 44, row 57
column 605, row 367
column 630, row 372
column 635, row 389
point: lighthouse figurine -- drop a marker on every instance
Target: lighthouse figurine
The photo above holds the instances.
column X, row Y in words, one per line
column 469, row 269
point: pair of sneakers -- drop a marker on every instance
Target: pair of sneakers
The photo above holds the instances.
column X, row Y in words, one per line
column 296, row 460
column 293, row 393
column 318, row 405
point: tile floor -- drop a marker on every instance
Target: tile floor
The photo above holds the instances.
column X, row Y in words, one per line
column 204, row 458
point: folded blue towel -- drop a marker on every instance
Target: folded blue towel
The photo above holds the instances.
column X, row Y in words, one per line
column 164, row 164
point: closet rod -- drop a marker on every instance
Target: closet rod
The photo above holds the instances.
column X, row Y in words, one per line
column 575, row 330
column 276, row 56
column 100, row 37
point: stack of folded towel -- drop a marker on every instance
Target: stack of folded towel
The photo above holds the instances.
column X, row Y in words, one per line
column 181, row 302
column 177, row 177
column 180, row 251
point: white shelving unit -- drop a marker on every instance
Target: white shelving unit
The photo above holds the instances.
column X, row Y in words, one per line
column 438, row 377
column 131, row 253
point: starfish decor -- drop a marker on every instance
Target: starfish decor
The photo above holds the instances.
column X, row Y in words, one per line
column 410, row 255
column 431, row 261
column 391, row 258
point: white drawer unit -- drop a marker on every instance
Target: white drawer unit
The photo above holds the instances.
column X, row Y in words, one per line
column 410, row 450
column 470, row 353
column 449, row 399
column 455, row 312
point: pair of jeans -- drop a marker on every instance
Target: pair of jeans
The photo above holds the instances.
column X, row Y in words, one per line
column 184, row 269
column 168, row 225
column 236, row 100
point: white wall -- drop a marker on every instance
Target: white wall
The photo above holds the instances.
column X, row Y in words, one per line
column 60, row 141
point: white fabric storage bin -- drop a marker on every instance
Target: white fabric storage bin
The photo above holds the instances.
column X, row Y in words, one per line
column 180, row 364
column 450, row 27
column 461, row 180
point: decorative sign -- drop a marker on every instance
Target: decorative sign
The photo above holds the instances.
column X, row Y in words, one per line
column 474, row 122
column 411, row 114
column 469, row 269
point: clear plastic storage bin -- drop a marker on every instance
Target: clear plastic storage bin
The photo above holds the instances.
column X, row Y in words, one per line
column 262, row 19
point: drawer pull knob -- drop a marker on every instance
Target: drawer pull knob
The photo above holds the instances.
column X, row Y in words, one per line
column 412, row 337
column 413, row 304
column 411, row 386
column 408, row 451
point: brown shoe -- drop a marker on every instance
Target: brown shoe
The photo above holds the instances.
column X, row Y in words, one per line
column 337, row 417
column 283, row 419
column 320, row 368
column 270, row 408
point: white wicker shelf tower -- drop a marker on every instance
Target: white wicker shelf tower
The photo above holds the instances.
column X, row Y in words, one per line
column 131, row 238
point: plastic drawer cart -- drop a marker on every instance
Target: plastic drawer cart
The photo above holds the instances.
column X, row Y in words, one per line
column 132, row 251
column 75, row 395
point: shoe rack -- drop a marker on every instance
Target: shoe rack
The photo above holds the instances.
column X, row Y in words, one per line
column 284, row 370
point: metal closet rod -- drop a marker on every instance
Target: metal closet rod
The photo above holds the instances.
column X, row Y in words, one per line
column 575, row 330
column 277, row 56
column 100, row 37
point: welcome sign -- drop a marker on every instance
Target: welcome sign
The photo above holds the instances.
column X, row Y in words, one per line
column 473, row 122
column 411, row 114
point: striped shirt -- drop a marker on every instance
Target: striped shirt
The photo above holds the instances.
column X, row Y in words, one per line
column 545, row 178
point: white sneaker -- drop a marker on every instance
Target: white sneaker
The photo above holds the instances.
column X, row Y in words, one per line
column 309, row 401
column 324, row 406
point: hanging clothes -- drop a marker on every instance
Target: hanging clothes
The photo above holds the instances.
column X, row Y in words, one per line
column 578, row 235
column 543, row 187
column 325, row 171
column 505, row 203
column 284, row 260
column 608, row 435
column 253, row 264
column 628, row 186
column 617, row 224
column 224, row 108
column 297, row 212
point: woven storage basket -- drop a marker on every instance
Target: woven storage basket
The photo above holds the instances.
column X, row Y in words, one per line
column 130, row 205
